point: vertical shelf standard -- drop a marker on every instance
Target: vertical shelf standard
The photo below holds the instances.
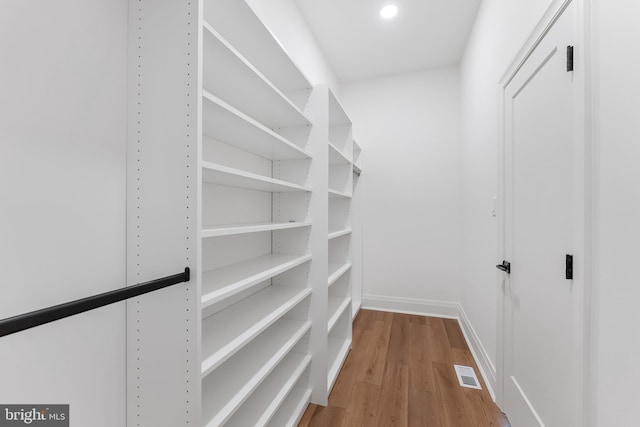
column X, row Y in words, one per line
column 340, row 190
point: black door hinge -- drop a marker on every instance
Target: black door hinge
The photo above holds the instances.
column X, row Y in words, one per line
column 569, row 58
column 569, row 267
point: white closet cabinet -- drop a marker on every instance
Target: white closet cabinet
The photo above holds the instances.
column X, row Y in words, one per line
column 256, row 224
column 356, row 225
column 239, row 169
column 340, row 150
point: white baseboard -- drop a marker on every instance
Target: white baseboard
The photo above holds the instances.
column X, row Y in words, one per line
column 411, row 306
column 480, row 354
column 448, row 310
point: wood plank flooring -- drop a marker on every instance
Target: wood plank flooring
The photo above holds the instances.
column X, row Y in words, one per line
column 400, row 373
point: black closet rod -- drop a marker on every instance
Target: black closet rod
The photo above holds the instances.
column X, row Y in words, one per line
column 21, row 322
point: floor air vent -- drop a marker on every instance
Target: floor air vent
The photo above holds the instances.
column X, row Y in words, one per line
column 467, row 377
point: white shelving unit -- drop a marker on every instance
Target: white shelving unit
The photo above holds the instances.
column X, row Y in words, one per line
column 256, row 223
column 241, row 170
column 356, row 225
column 340, row 153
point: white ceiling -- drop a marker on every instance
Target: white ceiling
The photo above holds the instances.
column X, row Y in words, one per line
column 359, row 44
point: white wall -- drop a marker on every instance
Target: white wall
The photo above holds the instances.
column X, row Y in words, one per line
column 409, row 128
column 500, row 29
column 286, row 22
column 62, row 196
column 617, row 211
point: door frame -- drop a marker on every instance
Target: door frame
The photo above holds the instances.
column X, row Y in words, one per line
column 584, row 225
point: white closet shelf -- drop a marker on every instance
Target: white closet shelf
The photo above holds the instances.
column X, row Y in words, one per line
column 292, row 409
column 337, row 307
column 226, row 332
column 357, row 169
column 336, row 270
column 239, row 24
column 226, row 388
column 213, row 173
column 226, row 281
column 356, row 152
column 338, row 233
column 337, row 114
column 339, row 194
column 355, row 308
column 231, row 77
column 227, row 124
column 267, row 399
column 337, row 157
column 337, row 351
column 227, row 230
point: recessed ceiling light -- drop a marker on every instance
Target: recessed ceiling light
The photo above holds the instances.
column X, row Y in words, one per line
column 389, row 11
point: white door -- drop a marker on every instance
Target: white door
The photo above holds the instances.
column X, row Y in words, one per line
column 542, row 317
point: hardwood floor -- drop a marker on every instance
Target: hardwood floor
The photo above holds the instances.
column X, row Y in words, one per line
column 400, row 373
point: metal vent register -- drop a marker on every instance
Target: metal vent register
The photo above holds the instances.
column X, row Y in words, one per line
column 467, row 377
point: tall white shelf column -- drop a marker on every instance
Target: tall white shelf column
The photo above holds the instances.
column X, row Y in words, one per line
column 340, row 165
column 257, row 224
column 163, row 327
column 219, row 180
column 356, row 226
column 242, row 171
